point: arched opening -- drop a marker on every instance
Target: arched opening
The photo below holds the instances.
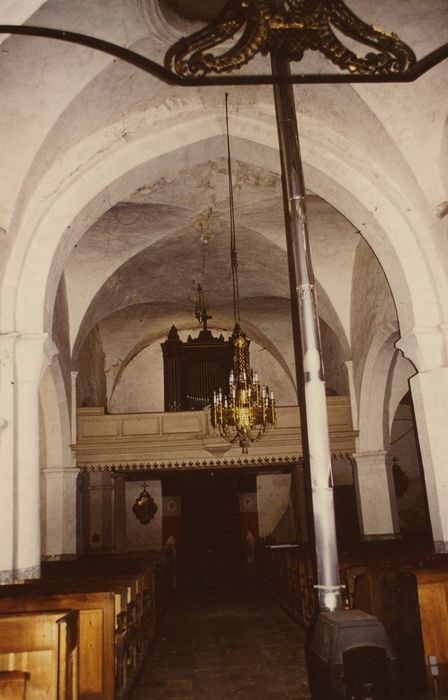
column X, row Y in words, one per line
column 408, row 473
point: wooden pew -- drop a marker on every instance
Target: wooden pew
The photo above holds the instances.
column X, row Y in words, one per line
column 131, row 642
column 96, row 633
column 135, row 630
column 287, row 573
column 13, row 685
column 432, row 587
column 43, row 645
column 127, row 585
column 102, row 568
column 412, row 605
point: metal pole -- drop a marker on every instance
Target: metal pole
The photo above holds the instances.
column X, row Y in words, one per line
column 308, row 344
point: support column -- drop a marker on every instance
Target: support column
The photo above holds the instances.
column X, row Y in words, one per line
column 427, row 349
column 430, row 397
column 33, row 354
column 120, row 513
column 7, row 421
column 300, row 488
column 97, row 507
column 375, row 492
column 59, row 518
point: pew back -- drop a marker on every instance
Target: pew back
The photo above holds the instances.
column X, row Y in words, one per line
column 96, row 632
column 44, row 645
column 13, row 685
column 432, row 587
column 413, row 606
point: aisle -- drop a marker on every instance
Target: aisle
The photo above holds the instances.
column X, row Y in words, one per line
column 218, row 644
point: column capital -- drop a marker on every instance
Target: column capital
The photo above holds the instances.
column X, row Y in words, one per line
column 370, row 455
column 58, row 472
column 8, row 335
column 425, row 347
column 7, row 343
column 34, row 352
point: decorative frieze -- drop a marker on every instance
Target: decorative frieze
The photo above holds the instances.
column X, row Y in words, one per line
column 186, row 441
column 192, row 465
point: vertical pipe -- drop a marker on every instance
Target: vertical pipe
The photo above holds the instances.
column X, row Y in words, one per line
column 316, row 422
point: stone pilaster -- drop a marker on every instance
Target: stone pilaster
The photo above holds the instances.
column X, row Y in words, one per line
column 377, row 507
column 427, row 348
column 97, row 497
column 59, row 518
column 7, row 423
column 120, row 513
column 33, row 353
column 430, row 397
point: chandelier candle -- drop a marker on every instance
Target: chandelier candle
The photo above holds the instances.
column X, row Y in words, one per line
column 248, row 410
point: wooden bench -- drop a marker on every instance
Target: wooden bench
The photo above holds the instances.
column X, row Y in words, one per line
column 96, row 631
column 43, row 645
column 432, row 588
column 13, row 685
column 133, row 626
column 287, row 573
column 123, row 589
column 412, row 605
column 154, row 584
column 135, row 620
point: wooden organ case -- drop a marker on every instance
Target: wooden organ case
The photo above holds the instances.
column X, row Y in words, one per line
column 193, row 369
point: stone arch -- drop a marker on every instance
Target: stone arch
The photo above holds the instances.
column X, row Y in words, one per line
column 403, row 371
column 46, row 236
column 373, row 403
column 56, row 417
column 408, row 473
column 443, row 166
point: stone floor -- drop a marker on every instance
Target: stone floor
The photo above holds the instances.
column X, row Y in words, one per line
column 225, row 642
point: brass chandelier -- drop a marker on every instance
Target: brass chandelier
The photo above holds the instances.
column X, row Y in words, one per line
column 248, row 409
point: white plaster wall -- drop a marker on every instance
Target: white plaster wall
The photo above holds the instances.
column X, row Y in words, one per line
column 91, row 380
column 273, row 492
column 140, row 387
column 272, row 375
column 373, row 310
column 333, row 360
column 139, row 536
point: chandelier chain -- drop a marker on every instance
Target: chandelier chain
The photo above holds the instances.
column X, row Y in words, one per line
column 233, row 250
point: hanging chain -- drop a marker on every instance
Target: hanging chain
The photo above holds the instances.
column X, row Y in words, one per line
column 233, row 251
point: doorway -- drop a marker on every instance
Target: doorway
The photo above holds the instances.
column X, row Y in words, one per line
column 211, row 544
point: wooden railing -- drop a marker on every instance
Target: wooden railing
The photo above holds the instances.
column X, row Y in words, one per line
column 184, row 439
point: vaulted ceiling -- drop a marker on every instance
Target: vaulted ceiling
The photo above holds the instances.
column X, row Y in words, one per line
column 144, row 162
